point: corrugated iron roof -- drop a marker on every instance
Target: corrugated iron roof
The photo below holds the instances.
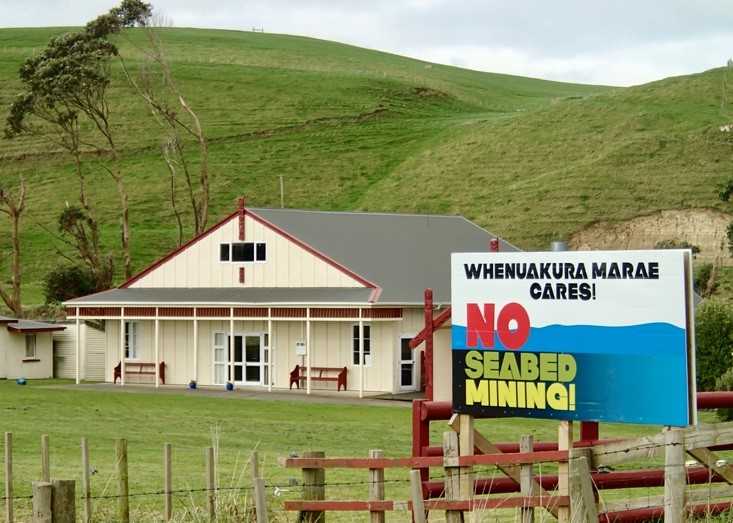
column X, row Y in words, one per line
column 228, row 295
column 402, row 253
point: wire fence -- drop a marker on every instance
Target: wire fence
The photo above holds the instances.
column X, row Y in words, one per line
column 641, row 452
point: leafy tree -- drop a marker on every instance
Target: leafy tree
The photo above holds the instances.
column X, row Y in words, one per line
column 13, row 206
column 67, row 282
column 69, row 80
column 75, row 227
column 714, row 341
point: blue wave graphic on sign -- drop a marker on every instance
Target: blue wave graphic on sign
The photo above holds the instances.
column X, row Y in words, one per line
column 628, row 373
column 642, row 339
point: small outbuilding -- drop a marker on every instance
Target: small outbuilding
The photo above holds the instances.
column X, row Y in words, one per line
column 26, row 348
column 285, row 298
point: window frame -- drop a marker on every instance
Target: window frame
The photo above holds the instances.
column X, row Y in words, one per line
column 367, row 345
column 131, row 327
column 256, row 245
column 31, row 341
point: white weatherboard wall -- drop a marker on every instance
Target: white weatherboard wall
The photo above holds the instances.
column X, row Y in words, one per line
column 12, row 356
column 331, row 345
column 287, row 265
column 91, row 345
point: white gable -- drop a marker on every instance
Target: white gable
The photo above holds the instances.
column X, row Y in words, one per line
column 287, row 265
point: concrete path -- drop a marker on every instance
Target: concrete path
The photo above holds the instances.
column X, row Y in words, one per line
column 251, row 393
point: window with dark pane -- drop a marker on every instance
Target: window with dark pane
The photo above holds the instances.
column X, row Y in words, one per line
column 238, row 252
column 224, row 252
column 249, row 252
column 261, row 254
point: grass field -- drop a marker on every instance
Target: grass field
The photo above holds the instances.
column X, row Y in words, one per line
column 350, row 128
column 188, row 421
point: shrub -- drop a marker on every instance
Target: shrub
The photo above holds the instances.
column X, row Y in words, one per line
column 714, row 337
column 725, row 382
column 67, row 282
column 677, row 244
column 705, row 279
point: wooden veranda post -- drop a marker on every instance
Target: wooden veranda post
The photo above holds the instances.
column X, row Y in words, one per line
column 314, row 489
column 376, row 488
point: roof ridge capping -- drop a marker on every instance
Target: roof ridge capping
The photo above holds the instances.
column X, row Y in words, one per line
column 361, row 213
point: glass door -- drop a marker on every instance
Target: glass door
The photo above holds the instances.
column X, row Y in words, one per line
column 407, row 365
column 247, row 359
column 253, row 359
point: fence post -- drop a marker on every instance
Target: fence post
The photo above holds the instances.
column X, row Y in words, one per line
column 564, row 442
column 45, row 460
column 526, row 479
column 418, row 505
column 465, row 447
column 123, row 501
column 314, row 488
column 376, row 487
column 675, row 476
column 452, row 475
column 63, row 500
column 582, row 499
column 42, row 502
column 9, row 477
column 167, row 482
column 259, row 490
column 260, row 501
column 86, row 481
column 211, row 483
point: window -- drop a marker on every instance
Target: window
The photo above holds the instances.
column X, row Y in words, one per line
column 261, row 254
column 30, row 346
column 367, row 345
column 243, row 252
column 131, row 340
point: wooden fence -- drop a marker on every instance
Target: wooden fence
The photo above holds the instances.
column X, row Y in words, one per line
column 575, row 498
column 467, row 454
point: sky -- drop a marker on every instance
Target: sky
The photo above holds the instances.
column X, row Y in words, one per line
column 612, row 42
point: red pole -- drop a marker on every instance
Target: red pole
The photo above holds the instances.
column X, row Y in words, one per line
column 429, row 343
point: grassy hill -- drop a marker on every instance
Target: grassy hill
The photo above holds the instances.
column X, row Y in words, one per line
column 350, row 128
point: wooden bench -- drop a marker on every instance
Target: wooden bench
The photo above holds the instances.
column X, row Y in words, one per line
column 140, row 368
column 299, row 373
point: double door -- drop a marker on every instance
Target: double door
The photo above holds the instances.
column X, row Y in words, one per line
column 248, row 353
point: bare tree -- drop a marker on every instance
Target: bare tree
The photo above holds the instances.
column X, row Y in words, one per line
column 13, row 207
column 157, row 86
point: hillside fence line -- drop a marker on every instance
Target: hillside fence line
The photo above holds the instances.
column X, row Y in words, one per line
column 574, row 495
